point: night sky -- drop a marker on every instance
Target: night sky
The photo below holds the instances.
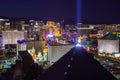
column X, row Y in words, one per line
column 101, row 11
column 93, row 11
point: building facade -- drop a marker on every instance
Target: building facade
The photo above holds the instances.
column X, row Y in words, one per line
column 11, row 36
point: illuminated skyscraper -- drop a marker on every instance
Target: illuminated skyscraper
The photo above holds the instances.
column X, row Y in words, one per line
column 11, row 36
column 31, row 26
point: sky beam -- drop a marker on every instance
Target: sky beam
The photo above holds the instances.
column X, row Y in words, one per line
column 79, row 13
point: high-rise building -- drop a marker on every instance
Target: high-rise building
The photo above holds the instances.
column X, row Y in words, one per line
column 11, row 36
column 31, row 27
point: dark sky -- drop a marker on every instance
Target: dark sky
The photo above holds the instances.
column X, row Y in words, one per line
column 93, row 11
column 101, row 11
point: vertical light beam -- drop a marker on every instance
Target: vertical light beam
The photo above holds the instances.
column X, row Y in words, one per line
column 78, row 11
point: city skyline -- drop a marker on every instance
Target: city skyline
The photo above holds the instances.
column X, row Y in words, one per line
column 59, row 40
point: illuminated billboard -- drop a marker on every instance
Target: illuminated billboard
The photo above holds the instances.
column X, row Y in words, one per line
column 108, row 46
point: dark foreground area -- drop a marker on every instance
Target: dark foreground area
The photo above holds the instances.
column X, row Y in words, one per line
column 77, row 64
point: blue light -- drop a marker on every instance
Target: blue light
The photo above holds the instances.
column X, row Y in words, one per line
column 48, row 44
column 78, row 17
column 31, row 20
column 78, row 45
column 21, row 41
column 24, row 43
column 50, row 35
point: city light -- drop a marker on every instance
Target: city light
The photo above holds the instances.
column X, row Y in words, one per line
column 79, row 40
column 117, row 55
column 21, row 41
column 78, row 45
column 50, row 35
